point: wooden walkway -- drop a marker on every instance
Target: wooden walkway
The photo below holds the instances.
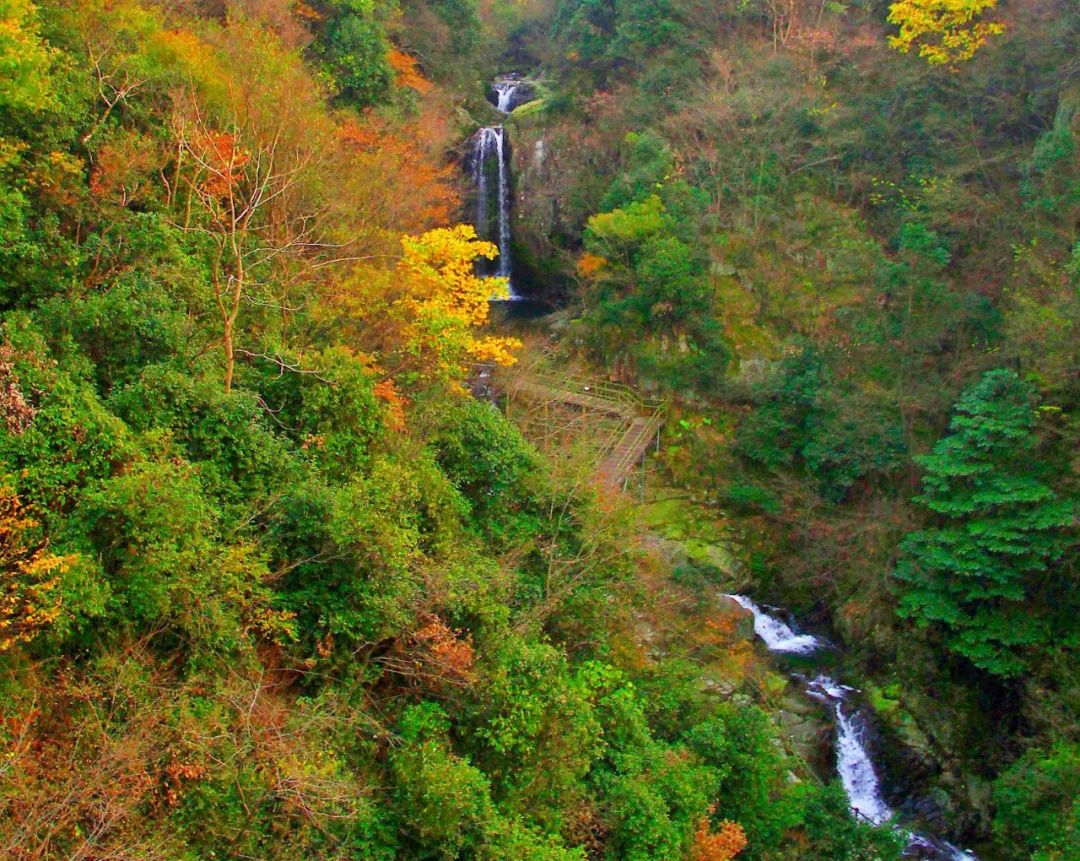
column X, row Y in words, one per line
column 638, row 421
column 631, row 447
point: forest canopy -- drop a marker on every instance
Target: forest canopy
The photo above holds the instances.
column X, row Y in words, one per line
column 282, row 575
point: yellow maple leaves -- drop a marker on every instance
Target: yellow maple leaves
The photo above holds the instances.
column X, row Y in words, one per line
column 946, row 31
column 446, row 302
column 29, row 575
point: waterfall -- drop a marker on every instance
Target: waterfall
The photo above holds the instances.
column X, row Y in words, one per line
column 504, row 265
column 480, row 151
column 489, row 164
column 853, row 761
column 776, row 635
column 490, row 143
column 504, row 94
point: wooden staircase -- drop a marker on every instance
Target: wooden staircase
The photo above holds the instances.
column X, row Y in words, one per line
column 637, row 420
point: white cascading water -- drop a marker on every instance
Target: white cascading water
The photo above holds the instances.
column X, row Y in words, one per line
column 853, row 762
column 504, row 266
column 479, row 174
column 852, row 759
column 489, row 143
column 504, row 94
column 775, row 634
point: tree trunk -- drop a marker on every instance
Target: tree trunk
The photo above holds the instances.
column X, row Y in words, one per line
column 227, row 346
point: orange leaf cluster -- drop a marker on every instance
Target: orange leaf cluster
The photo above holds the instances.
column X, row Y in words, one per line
column 424, row 190
column 176, row 775
column 450, row 654
column 122, row 166
column 224, row 160
column 306, row 12
column 404, row 65
column 589, row 264
column 387, row 392
column 720, row 845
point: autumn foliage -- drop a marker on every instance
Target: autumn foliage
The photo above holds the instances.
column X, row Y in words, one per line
column 723, row 844
column 445, row 302
column 946, row 31
column 29, row 575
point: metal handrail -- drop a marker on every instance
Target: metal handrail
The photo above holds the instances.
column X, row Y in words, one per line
column 647, row 430
column 602, row 389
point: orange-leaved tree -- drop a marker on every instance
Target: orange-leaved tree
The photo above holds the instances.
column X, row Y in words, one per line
column 442, row 304
column 946, row 31
column 725, row 843
column 254, row 185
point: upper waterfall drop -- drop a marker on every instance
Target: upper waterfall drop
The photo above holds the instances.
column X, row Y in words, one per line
column 510, row 91
column 504, row 91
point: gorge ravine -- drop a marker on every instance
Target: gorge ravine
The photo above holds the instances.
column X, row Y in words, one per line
column 854, row 760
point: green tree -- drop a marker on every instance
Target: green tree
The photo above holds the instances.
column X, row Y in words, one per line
column 354, row 46
column 24, row 58
column 999, row 530
column 649, row 283
column 1037, row 803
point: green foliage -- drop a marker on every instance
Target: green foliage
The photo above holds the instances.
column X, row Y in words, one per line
column 25, row 59
column 1037, row 803
column 804, row 419
column 492, row 466
column 444, row 801
column 462, row 22
column 330, row 409
column 239, row 458
column 613, row 32
column 652, row 282
column 353, row 46
column 836, row 837
column 160, row 550
column 73, row 441
column 536, row 728
column 1001, row 531
column 748, row 770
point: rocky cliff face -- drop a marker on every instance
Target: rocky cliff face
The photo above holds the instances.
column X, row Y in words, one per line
column 554, row 192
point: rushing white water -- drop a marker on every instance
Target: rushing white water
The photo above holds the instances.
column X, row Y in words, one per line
column 853, row 762
column 481, row 145
column 490, row 143
column 504, row 93
column 504, row 207
column 776, row 634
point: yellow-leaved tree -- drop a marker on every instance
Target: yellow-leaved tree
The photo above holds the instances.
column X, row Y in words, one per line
column 946, row 31
column 444, row 304
column 29, row 575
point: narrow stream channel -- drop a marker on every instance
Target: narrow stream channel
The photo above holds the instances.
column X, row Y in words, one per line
column 854, row 758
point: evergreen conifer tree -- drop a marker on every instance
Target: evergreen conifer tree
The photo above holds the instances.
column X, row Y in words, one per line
column 998, row 532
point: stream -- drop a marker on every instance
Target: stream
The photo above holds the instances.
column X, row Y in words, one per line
column 488, row 163
column 854, row 757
